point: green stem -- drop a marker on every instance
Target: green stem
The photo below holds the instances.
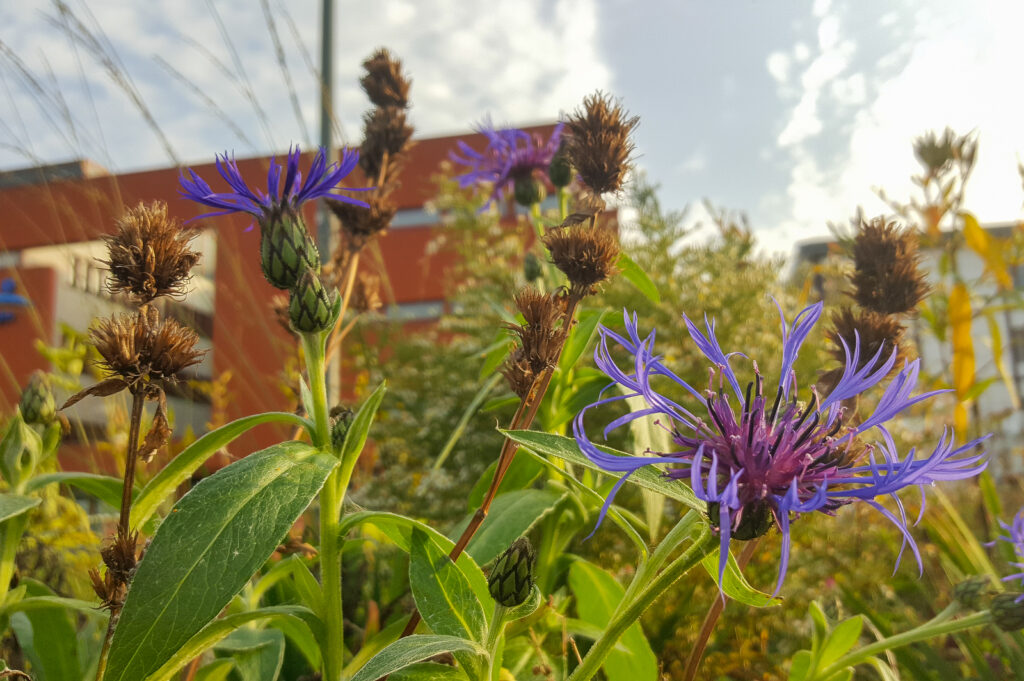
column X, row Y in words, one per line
column 630, row 609
column 563, row 204
column 535, row 215
column 330, row 512
column 494, row 631
column 921, row 633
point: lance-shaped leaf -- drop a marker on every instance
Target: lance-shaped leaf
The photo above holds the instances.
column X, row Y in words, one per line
column 207, row 548
column 412, row 649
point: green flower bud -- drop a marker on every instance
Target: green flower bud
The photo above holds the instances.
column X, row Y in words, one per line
column 341, row 419
column 756, row 521
column 968, row 593
column 310, row 307
column 37, row 404
column 528, row 191
column 531, row 267
column 1007, row 613
column 286, row 250
column 560, row 170
column 511, row 579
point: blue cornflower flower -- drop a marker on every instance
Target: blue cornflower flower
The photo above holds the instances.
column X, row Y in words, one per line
column 9, row 297
column 756, row 460
column 1015, row 537
column 511, row 155
column 280, row 197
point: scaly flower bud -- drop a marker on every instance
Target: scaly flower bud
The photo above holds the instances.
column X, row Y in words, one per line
column 886, row 277
column 37, row 404
column 310, row 306
column 1008, row 611
column 969, row 592
column 341, row 419
column 286, row 250
column 511, row 579
column 560, row 171
column 531, row 267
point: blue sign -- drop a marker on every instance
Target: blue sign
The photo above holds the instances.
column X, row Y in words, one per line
column 9, row 298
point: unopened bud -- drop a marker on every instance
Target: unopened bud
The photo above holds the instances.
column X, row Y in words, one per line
column 1008, row 611
column 286, row 250
column 310, row 306
column 341, row 419
column 528, row 191
column 968, row 593
column 560, row 170
column 37, row 404
column 511, row 579
column 531, row 267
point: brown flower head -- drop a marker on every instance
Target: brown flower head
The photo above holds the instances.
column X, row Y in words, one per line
column 877, row 335
column 140, row 348
column 539, row 338
column 366, row 293
column 886, row 277
column 587, row 255
column 598, row 145
column 384, row 82
column 386, row 138
column 149, row 254
column 359, row 224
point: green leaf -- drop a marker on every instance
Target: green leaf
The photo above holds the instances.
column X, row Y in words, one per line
column 520, row 474
column 106, row 488
column 428, row 671
column 841, row 675
column 565, row 448
column 377, row 643
column 36, row 603
column 597, row 595
column 638, row 278
column 217, row 630
column 192, row 457
column 217, row 670
column 443, row 595
column 12, row 505
column 841, row 640
column 801, row 666
column 47, row 637
column 306, row 396
column 355, row 438
column 412, row 649
column 580, row 337
column 257, row 653
column 735, row 585
column 399, row 529
column 207, row 548
column 511, row 516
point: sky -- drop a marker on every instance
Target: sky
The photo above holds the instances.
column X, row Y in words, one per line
column 793, row 112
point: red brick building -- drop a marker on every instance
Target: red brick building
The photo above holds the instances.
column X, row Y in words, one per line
column 51, row 219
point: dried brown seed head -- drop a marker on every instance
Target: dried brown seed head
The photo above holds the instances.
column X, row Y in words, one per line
column 386, row 138
column 149, row 255
column 598, row 143
column 384, row 82
column 876, row 335
column 359, row 225
column 366, row 293
column 587, row 255
column 540, row 338
column 518, row 373
column 141, row 347
column 886, row 277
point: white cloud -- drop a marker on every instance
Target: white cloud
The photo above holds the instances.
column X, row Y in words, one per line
column 521, row 62
column 957, row 74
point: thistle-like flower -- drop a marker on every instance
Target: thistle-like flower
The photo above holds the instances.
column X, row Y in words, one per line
column 321, row 181
column 512, row 157
column 587, row 255
column 886, row 275
column 758, row 460
column 1015, row 537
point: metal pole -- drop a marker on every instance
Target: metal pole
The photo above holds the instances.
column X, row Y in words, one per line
column 323, row 218
column 323, row 240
